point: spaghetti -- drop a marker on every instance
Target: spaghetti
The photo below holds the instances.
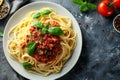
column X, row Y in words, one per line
column 43, row 41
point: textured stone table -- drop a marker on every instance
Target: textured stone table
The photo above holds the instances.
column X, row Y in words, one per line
column 100, row 57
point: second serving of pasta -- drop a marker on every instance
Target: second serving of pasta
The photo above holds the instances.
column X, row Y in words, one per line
column 42, row 41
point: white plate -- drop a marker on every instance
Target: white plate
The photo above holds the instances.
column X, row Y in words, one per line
column 18, row 16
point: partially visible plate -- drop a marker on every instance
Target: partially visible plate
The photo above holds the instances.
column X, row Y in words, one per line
column 18, row 16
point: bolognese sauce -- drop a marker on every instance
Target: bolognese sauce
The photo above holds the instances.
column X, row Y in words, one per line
column 47, row 45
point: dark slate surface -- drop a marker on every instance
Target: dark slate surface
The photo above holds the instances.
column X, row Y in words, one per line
column 100, row 57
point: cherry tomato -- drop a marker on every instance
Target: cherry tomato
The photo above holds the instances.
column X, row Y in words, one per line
column 106, row 8
column 116, row 3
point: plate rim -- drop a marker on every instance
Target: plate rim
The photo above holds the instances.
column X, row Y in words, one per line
column 39, row 2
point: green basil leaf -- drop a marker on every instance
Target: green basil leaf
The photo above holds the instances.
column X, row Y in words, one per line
column 44, row 30
column 27, row 65
column 39, row 14
column 36, row 15
column 38, row 24
column 83, row 7
column 31, row 48
column 91, row 6
column 46, row 12
column 1, row 33
column 55, row 31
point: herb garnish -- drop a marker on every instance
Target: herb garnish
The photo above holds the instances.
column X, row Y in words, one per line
column 85, row 5
column 55, row 31
column 38, row 24
column 39, row 14
column 31, row 48
column 44, row 29
column 27, row 65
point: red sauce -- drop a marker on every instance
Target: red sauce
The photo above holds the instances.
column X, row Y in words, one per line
column 47, row 45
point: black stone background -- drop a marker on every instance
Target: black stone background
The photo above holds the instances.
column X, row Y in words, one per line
column 100, row 56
